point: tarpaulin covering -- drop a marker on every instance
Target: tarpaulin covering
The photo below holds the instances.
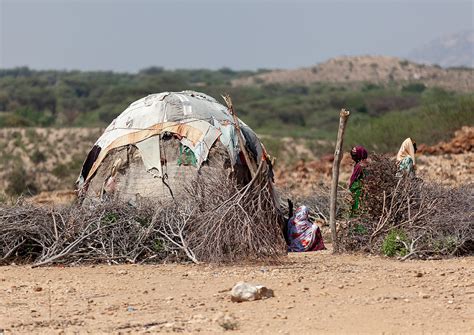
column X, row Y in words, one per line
column 197, row 119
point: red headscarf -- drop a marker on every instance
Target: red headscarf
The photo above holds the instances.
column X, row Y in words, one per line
column 358, row 154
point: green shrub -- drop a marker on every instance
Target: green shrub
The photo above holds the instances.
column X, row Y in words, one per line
column 38, row 157
column 19, row 182
column 359, row 229
column 61, row 170
column 110, row 218
column 446, row 245
column 392, row 244
column 12, row 120
column 414, row 88
column 158, row 246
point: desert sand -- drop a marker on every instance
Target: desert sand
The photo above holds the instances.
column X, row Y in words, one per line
column 315, row 293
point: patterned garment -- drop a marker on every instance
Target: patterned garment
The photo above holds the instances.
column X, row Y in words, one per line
column 406, row 158
column 405, row 167
column 303, row 235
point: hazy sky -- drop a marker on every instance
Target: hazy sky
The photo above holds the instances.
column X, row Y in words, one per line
column 131, row 35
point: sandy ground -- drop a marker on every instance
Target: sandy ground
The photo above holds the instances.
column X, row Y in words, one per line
column 314, row 293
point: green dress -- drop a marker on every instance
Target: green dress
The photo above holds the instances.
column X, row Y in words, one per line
column 356, row 190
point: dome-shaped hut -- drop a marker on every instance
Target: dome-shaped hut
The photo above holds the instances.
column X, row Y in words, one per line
column 162, row 142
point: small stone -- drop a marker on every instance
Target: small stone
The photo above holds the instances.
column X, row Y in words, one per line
column 419, row 274
column 341, row 286
column 131, row 309
column 37, row 289
column 248, row 292
column 122, row 272
column 423, row 295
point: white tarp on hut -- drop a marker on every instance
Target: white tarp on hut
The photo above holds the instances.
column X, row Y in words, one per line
column 196, row 119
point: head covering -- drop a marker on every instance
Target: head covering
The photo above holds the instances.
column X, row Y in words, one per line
column 407, row 149
column 303, row 235
column 302, row 213
column 358, row 154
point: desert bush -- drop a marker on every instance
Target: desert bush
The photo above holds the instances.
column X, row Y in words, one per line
column 394, row 243
column 409, row 217
column 414, row 88
column 20, row 182
column 38, row 157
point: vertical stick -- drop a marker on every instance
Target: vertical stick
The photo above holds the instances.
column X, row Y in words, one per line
column 250, row 163
column 343, row 117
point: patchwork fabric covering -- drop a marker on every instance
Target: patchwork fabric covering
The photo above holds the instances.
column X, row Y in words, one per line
column 194, row 119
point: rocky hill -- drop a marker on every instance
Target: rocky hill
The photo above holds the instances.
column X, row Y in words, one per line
column 374, row 69
column 447, row 51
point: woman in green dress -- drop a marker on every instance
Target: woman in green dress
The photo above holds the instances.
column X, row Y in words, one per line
column 359, row 156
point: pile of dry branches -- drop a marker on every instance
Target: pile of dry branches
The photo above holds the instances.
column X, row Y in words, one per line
column 108, row 233
column 213, row 221
column 409, row 217
column 238, row 224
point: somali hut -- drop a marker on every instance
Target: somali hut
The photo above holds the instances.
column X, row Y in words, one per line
column 162, row 141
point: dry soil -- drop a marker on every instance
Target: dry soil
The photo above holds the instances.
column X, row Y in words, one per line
column 315, row 293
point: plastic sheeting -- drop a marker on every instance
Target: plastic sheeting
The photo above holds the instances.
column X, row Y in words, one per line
column 197, row 118
column 150, row 153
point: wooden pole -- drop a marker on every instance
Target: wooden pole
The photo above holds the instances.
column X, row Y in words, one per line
column 343, row 117
column 251, row 165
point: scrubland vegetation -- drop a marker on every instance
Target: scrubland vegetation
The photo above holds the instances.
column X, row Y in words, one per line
column 383, row 114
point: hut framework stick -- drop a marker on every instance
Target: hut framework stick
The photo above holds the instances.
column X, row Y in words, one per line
column 343, row 117
column 250, row 163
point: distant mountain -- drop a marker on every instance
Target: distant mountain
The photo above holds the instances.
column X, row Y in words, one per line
column 373, row 69
column 447, row 51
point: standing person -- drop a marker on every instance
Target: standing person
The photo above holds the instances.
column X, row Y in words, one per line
column 303, row 235
column 359, row 156
column 406, row 158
